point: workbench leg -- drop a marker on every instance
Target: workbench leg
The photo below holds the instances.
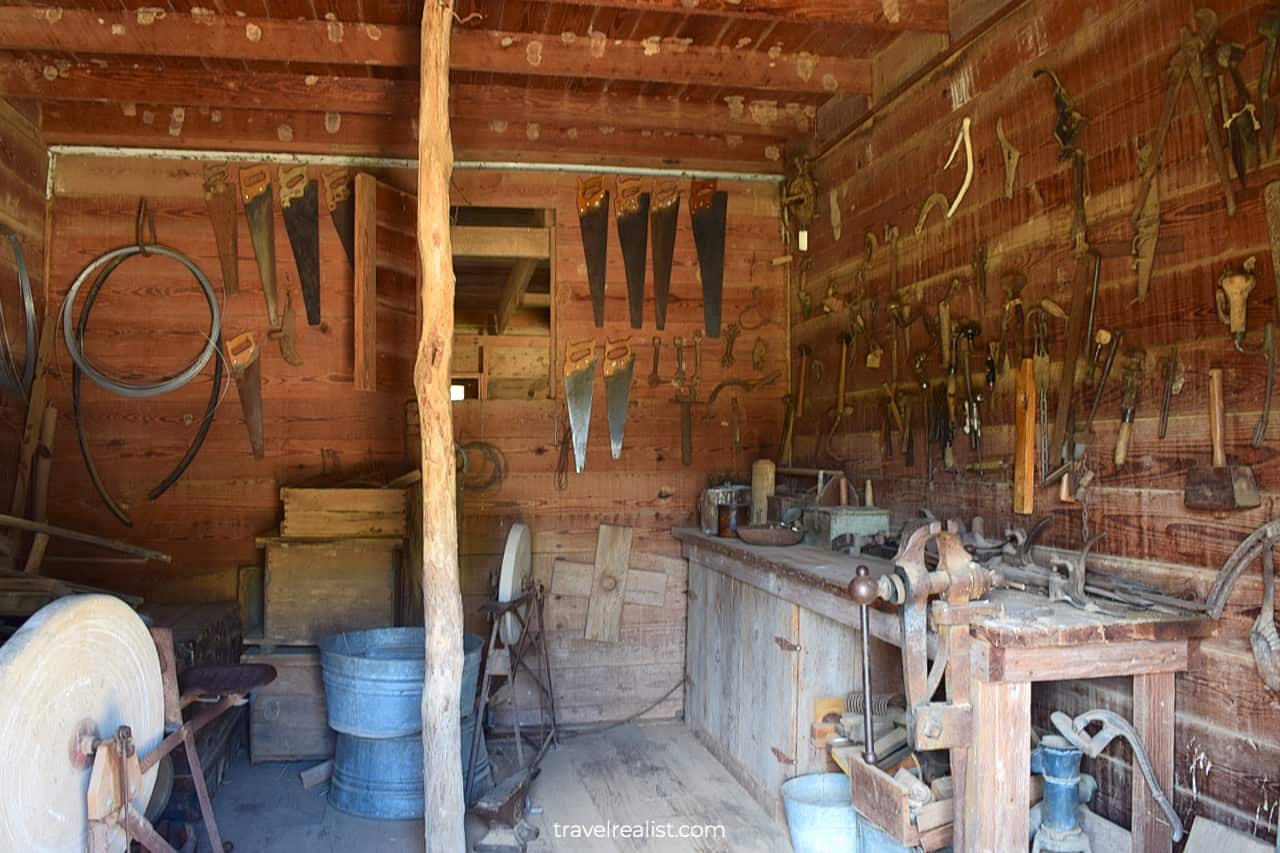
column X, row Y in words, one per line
column 999, row 767
column 1153, row 698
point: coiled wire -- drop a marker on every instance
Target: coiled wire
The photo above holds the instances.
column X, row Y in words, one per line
column 9, row 378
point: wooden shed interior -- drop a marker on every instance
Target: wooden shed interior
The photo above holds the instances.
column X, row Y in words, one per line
column 767, row 388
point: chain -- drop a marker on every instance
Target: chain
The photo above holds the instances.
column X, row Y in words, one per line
column 1083, row 497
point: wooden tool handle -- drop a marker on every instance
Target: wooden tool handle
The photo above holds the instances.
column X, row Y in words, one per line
column 1237, row 287
column 1024, row 453
column 1217, row 417
column 1122, row 442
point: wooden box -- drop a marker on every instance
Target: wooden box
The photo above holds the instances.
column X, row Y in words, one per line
column 288, row 720
column 336, row 513
column 314, row 589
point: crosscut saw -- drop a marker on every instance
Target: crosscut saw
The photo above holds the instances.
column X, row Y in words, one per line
column 619, row 365
column 342, row 208
column 593, row 217
column 707, row 207
column 300, row 206
column 579, row 380
column 633, row 235
column 220, row 203
column 662, row 225
column 242, row 353
column 255, row 192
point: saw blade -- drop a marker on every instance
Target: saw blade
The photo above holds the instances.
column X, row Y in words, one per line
column 633, row 235
column 300, row 207
column 220, row 203
column 255, row 192
column 593, row 218
column 342, row 209
column 579, row 380
column 662, row 225
column 619, row 366
column 708, row 209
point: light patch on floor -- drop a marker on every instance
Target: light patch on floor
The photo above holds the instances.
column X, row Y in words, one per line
column 654, row 776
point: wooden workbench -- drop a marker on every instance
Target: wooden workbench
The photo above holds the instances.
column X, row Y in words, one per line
column 1030, row 640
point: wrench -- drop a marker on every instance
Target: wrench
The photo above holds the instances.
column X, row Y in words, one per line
column 654, row 379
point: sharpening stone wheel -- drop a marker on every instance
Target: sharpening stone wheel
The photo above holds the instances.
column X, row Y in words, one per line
column 82, row 664
column 515, row 577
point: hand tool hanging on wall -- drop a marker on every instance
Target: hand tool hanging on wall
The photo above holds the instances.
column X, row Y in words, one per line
column 730, row 335
column 1242, row 122
column 654, row 379
column 1269, row 27
column 802, row 378
column 619, row 364
column 593, row 219
column 579, row 383
column 255, row 192
column 1112, row 342
column 284, row 334
column 1137, row 363
column 1079, row 325
column 342, row 208
column 663, row 215
column 1012, row 319
column 220, row 204
column 1263, row 637
column 788, row 430
column 242, row 354
column 1173, row 379
column 1039, row 321
column 1220, row 487
column 1232, row 298
column 841, row 410
column 1011, row 156
column 708, row 209
column 685, row 397
column 1147, row 220
column 633, row 235
column 299, row 204
column 1024, row 443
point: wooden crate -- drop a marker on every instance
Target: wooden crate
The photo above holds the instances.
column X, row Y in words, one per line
column 288, row 720
column 335, row 513
column 314, row 589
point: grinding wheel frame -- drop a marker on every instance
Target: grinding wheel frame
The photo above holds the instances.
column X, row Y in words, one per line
column 84, row 664
column 515, row 579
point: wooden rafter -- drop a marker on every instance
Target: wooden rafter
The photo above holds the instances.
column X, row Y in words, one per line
column 212, row 36
column 927, row 15
column 121, row 84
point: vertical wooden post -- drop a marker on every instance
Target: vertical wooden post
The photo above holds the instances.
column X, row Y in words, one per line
column 1153, row 699
column 441, row 594
column 999, row 767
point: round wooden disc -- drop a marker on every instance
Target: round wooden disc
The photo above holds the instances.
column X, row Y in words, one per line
column 516, row 575
column 82, row 663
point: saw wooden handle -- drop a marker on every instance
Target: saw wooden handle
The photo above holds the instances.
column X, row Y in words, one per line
column 1217, row 417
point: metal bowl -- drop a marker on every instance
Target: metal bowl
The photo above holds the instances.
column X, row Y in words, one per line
column 776, row 535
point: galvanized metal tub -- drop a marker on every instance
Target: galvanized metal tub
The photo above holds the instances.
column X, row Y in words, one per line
column 373, row 680
column 382, row 778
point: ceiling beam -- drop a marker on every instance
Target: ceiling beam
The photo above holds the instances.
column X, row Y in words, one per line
column 391, row 136
column 889, row 15
column 513, row 292
column 213, row 36
column 223, row 89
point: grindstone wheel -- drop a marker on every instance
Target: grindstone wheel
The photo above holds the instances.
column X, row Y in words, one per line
column 83, row 664
column 515, row 578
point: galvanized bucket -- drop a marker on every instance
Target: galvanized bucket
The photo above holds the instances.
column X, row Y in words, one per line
column 820, row 813
column 373, row 680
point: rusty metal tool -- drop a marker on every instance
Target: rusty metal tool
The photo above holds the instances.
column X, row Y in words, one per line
column 663, row 217
column 1039, row 320
column 1242, row 122
column 758, row 353
column 1112, row 342
column 341, row 205
column 1220, row 486
column 284, row 334
column 747, row 385
column 788, row 430
column 255, row 192
column 632, row 215
column 969, row 331
column 1012, row 319
column 1271, row 195
column 980, row 273
column 708, row 209
column 593, row 221
column 1078, row 324
column 679, row 378
column 730, row 335
column 1268, row 350
column 1136, row 366
column 1269, row 27
column 1173, row 379
column 697, row 357
column 1011, row 156
column 654, row 379
column 579, row 380
column 619, row 366
column 242, row 355
column 300, row 208
column 1101, row 339
column 1147, row 241
column 841, row 409
column 220, row 204
column 875, row 352
column 806, row 354
column 685, row 398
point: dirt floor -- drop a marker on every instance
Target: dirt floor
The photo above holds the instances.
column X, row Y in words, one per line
column 638, row 787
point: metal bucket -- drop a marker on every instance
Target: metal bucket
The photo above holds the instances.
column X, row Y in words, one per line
column 820, row 813
column 381, row 778
column 373, row 680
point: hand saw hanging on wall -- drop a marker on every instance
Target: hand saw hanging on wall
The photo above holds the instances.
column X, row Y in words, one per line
column 707, row 209
column 633, row 236
column 619, row 366
column 300, row 206
column 593, row 217
column 220, row 203
column 342, row 208
column 579, row 380
column 255, row 192
column 662, row 224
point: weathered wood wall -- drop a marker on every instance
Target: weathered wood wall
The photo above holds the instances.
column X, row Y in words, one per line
column 23, row 167
column 148, row 321
column 1111, row 56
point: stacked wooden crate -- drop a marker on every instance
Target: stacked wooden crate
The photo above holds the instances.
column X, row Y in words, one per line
column 333, row 566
